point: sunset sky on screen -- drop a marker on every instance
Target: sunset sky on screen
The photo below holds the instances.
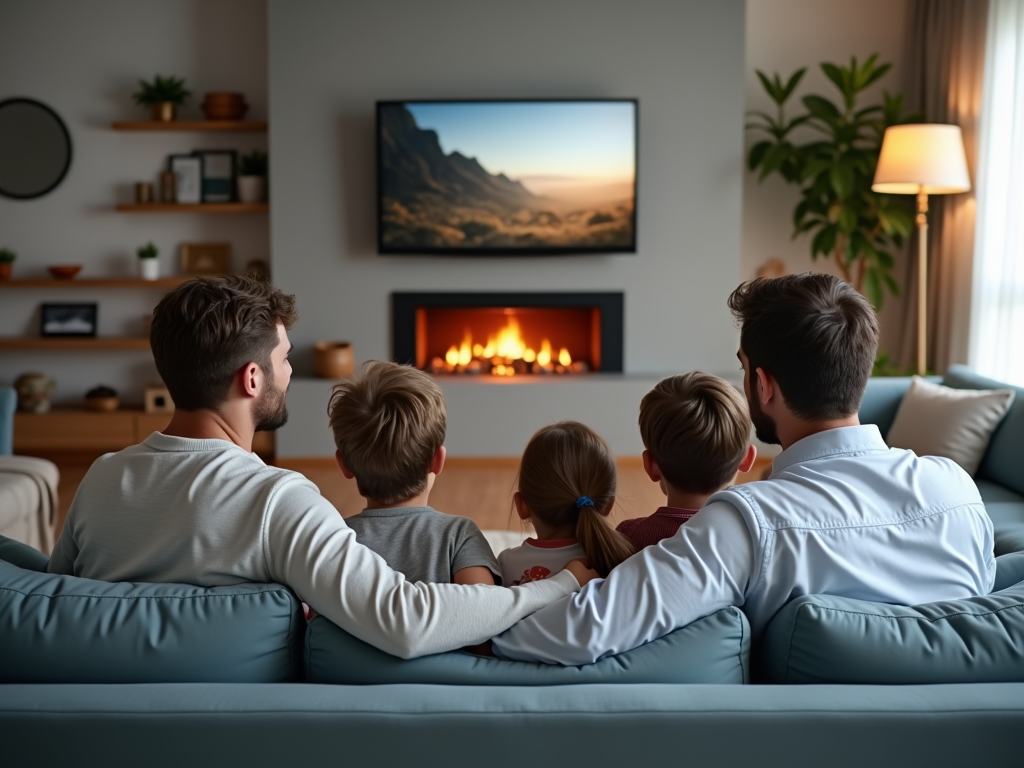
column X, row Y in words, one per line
column 580, row 141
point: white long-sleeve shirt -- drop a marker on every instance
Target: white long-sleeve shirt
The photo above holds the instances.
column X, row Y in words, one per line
column 209, row 513
column 842, row 514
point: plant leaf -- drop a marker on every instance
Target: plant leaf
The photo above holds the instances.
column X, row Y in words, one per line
column 794, row 79
column 841, row 178
column 873, row 287
column 833, row 73
column 824, row 241
column 822, row 108
column 757, row 153
column 769, row 86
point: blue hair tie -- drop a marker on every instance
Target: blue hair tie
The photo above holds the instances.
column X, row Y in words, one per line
column 584, row 501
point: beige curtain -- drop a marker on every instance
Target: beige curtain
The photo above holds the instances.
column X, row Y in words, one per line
column 945, row 66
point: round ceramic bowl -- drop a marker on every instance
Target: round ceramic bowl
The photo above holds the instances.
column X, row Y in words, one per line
column 102, row 403
column 65, row 271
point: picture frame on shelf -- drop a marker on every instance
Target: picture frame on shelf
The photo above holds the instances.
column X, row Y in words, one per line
column 188, row 177
column 206, row 258
column 218, row 174
column 68, row 320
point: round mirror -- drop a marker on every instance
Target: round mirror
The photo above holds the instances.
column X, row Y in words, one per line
column 35, row 149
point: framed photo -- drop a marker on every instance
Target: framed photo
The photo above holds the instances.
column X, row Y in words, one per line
column 68, row 320
column 206, row 258
column 188, row 177
column 218, row 177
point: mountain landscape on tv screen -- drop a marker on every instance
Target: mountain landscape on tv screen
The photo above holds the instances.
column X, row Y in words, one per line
column 432, row 200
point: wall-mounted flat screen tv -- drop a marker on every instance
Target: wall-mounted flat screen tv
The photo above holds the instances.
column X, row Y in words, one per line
column 507, row 177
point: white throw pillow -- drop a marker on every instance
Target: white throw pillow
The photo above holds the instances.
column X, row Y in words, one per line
column 934, row 420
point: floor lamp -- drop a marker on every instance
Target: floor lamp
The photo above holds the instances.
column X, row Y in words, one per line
column 923, row 159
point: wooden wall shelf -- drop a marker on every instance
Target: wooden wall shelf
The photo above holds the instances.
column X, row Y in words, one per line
column 72, row 343
column 218, row 126
column 193, row 207
column 164, row 283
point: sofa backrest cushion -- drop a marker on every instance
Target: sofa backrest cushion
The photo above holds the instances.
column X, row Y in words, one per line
column 882, row 400
column 714, row 649
column 63, row 629
column 1001, row 462
column 22, row 555
column 824, row 639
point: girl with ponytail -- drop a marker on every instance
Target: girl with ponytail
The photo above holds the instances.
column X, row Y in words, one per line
column 566, row 488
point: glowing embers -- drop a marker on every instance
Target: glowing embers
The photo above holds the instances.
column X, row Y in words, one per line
column 508, row 341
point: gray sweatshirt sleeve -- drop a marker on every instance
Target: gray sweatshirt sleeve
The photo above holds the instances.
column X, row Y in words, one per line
column 308, row 547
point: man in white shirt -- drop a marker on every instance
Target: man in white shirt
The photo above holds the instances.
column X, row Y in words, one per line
column 193, row 504
column 841, row 514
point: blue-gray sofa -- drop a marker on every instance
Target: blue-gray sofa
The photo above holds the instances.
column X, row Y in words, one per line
column 123, row 674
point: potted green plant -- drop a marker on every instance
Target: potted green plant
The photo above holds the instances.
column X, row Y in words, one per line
column 149, row 262
column 7, row 257
column 163, row 96
column 834, row 166
column 252, row 177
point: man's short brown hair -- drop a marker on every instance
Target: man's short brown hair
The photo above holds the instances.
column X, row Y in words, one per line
column 697, row 428
column 388, row 424
column 815, row 334
column 205, row 330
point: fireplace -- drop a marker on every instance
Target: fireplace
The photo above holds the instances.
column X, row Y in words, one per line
column 509, row 334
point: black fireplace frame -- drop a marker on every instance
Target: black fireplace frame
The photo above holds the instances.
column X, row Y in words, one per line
column 611, row 304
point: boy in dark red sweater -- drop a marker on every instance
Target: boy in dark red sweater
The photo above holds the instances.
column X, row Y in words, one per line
column 696, row 433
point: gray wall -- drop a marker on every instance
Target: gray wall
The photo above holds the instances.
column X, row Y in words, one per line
column 84, row 59
column 329, row 62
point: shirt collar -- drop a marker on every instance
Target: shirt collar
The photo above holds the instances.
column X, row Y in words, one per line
column 842, row 441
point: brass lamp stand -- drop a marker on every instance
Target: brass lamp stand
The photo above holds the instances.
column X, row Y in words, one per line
column 920, row 160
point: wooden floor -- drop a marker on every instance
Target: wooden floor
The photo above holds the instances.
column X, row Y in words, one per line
column 480, row 489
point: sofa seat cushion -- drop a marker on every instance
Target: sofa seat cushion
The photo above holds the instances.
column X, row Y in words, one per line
column 64, row 629
column 714, row 649
column 825, row 639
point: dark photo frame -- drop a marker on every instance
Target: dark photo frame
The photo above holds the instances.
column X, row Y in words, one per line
column 76, row 320
column 220, row 167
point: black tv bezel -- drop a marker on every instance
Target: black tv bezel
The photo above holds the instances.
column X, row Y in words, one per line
column 383, row 250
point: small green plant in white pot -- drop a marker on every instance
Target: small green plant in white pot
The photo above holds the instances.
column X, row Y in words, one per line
column 149, row 262
column 252, row 177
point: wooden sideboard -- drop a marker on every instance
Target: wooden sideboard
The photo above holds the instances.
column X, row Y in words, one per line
column 79, row 430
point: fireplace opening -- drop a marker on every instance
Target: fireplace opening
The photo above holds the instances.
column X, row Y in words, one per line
column 509, row 334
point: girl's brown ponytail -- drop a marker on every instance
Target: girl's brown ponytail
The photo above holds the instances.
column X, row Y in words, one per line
column 605, row 547
column 567, row 479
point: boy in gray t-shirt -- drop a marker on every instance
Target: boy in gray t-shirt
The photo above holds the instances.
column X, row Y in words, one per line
column 389, row 428
column 424, row 544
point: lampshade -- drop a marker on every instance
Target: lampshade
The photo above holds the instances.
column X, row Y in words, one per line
column 925, row 158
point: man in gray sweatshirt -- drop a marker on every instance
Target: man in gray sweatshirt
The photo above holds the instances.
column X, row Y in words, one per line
column 193, row 504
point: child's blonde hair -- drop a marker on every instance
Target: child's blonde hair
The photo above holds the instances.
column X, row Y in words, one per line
column 387, row 425
column 567, row 477
column 697, row 428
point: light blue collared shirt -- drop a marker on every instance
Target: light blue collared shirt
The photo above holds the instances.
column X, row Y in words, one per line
column 842, row 514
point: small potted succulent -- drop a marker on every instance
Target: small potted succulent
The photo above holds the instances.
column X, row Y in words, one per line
column 7, row 257
column 163, row 96
column 252, row 177
column 149, row 263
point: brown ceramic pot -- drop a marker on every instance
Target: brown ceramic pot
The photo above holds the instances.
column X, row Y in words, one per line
column 333, row 359
column 224, row 106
